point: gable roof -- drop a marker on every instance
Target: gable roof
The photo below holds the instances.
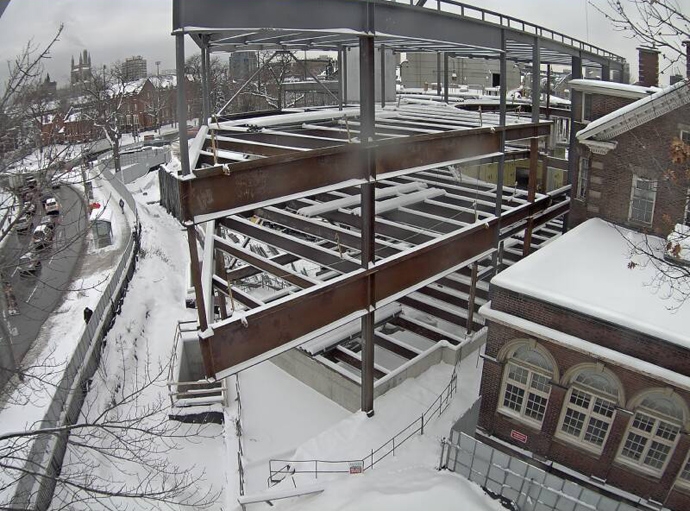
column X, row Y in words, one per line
column 635, row 114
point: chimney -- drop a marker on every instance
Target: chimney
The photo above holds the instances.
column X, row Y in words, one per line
column 686, row 43
column 649, row 67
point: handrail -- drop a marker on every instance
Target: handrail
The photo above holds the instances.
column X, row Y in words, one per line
column 503, row 20
column 291, row 467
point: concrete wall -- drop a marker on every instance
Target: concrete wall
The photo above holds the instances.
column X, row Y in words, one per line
column 421, row 67
column 321, row 378
column 346, row 391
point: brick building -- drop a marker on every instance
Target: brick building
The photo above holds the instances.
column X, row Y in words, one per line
column 624, row 154
column 589, row 368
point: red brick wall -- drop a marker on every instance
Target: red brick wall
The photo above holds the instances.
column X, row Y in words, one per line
column 644, row 151
column 643, row 347
column 542, row 442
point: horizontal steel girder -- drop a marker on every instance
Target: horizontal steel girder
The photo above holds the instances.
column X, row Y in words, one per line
column 269, row 330
column 241, row 186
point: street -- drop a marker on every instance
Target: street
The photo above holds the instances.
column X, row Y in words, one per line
column 38, row 295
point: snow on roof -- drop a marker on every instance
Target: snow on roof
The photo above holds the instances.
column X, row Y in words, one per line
column 586, row 271
column 612, row 88
column 635, row 114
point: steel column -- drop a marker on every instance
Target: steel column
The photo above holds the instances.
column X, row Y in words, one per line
column 345, row 50
column 548, row 94
column 575, row 104
column 498, row 211
column 445, row 77
column 536, row 106
column 340, row 77
column 383, row 75
column 605, row 73
column 200, row 302
column 204, row 84
column 367, row 53
column 181, row 103
column 438, row 73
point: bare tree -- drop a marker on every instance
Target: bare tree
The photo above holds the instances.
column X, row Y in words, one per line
column 117, row 454
column 662, row 24
column 106, row 95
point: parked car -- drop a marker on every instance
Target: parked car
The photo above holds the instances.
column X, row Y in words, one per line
column 25, row 223
column 29, row 264
column 52, row 206
column 42, row 236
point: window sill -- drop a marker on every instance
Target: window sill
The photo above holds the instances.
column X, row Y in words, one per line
column 509, row 414
column 596, row 451
column 625, row 464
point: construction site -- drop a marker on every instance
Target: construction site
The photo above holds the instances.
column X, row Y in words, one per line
column 353, row 244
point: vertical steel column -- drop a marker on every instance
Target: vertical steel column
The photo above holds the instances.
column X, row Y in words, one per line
column 498, row 211
column 575, row 104
column 605, row 73
column 445, row 77
column 340, row 78
column 383, row 76
column 204, row 83
column 438, row 73
column 181, row 103
column 345, row 76
column 200, row 303
column 536, row 106
column 367, row 54
column 548, row 91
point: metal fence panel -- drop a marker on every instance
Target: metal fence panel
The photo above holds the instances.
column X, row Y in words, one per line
column 529, row 487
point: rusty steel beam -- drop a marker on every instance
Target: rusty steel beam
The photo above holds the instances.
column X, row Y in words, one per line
column 386, row 343
column 312, row 252
column 276, row 328
column 264, row 263
column 248, row 271
column 423, row 331
column 244, row 184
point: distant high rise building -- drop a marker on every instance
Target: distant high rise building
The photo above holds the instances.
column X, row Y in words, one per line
column 81, row 73
column 242, row 64
column 134, row 68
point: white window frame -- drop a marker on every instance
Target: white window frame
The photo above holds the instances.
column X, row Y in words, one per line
column 586, row 95
column 684, row 136
column 590, row 415
column 583, row 179
column 650, row 437
column 683, row 478
column 527, row 389
column 636, row 179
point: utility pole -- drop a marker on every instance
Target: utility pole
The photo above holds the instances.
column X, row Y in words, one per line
column 158, row 95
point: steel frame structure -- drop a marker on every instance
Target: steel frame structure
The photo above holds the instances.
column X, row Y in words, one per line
column 370, row 197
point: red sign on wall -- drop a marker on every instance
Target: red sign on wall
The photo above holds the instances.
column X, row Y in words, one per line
column 520, row 437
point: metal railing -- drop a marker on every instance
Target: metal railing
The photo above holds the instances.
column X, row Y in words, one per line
column 238, row 432
column 191, row 393
column 496, row 18
column 288, row 468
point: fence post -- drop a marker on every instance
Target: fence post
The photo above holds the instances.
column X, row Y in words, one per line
column 422, row 431
column 443, row 450
column 316, row 469
column 372, row 458
column 393, row 446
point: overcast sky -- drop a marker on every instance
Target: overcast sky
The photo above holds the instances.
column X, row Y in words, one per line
column 116, row 29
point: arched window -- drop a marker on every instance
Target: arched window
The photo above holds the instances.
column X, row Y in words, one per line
column 653, row 432
column 589, row 407
column 526, row 383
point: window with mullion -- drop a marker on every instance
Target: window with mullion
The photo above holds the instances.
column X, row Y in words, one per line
column 586, row 418
column 525, row 392
column 649, row 442
column 642, row 200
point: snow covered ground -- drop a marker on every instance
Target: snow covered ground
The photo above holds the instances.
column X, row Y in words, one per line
column 282, row 418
